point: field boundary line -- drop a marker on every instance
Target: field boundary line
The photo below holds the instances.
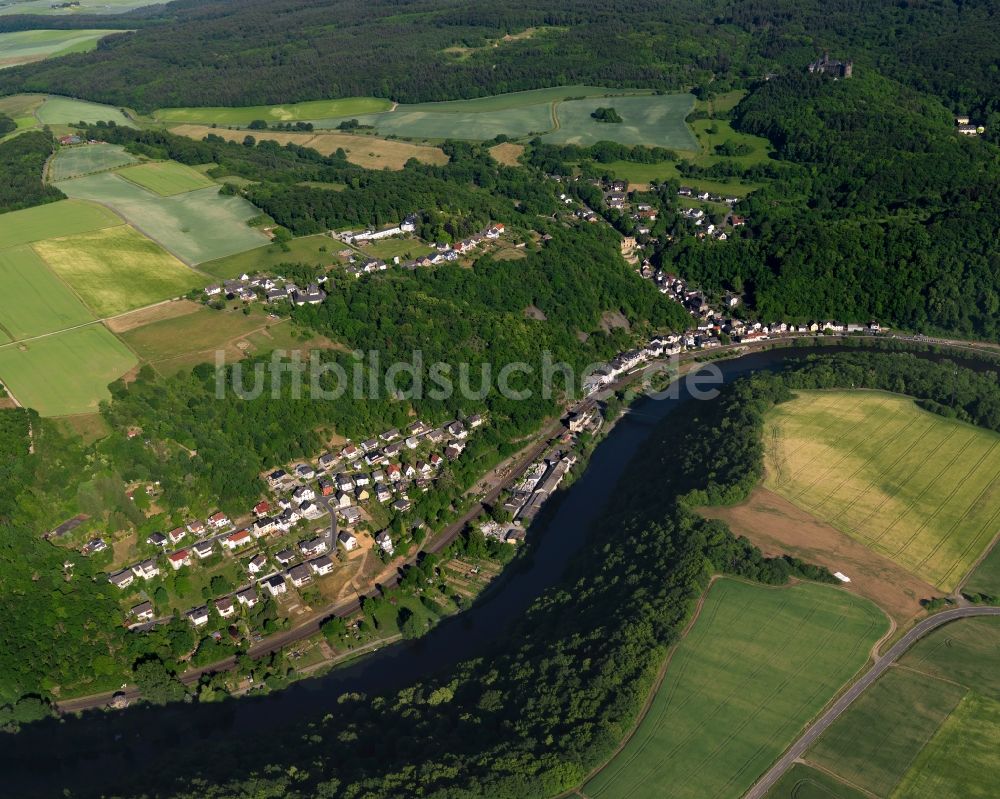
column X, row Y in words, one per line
column 657, row 683
column 813, row 765
column 927, row 674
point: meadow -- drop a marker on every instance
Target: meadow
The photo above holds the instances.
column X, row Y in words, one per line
column 23, row 47
column 927, row 728
column 318, row 250
column 62, row 218
column 916, row 487
column 170, row 345
column 117, row 269
column 644, row 174
column 34, row 300
column 197, row 226
column 365, row 151
column 85, row 7
column 313, row 109
column 166, row 178
column 654, row 120
column 85, row 159
column 68, row 111
column 757, row 664
column 66, row 373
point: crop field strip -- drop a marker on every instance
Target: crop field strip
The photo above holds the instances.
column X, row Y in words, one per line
column 86, row 159
column 781, row 617
column 35, row 301
column 861, row 465
column 165, row 178
column 927, row 728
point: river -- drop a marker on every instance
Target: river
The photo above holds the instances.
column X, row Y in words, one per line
column 90, row 749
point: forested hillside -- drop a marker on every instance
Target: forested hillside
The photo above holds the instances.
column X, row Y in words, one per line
column 22, row 162
column 883, row 218
column 278, row 51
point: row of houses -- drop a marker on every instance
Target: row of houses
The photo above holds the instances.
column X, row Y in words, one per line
column 270, row 289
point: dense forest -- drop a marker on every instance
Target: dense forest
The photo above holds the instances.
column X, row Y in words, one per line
column 220, row 53
column 532, row 717
column 878, row 213
column 22, row 162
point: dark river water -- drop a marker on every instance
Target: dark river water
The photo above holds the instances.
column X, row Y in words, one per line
column 92, row 749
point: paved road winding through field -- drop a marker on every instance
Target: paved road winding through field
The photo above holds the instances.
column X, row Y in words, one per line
column 818, row 727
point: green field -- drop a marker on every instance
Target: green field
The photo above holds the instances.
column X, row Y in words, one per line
column 86, row 7
column 54, row 219
column 170, row 344
column 713, row 132
column 914, row 486
column 66, row 373
column 305, row 249
column 117, row 269
column 986, row 578
column 314, row 109
column 66, row 111
column 23, row 47
column 387, row 249
column 649, row 119
column 34, row 300
column 758, row 663
column 655, row 120
column 928, row 727
column 197, row 226
column 84, row 159
column 667, row 170
column 803, row 782
column 166, row 178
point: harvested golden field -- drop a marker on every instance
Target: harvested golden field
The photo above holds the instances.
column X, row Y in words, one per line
column 367, row 151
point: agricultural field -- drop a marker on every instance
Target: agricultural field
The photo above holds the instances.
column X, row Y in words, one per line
column 63, row 218
column 318, row 250
column 654, row 120
column 293, row 112
column 166, row 178
column 170, row 345
column 34, row 300
column 757, row 664
column 67, row 111
column 928, row 727
column 196, row 226
column 803, row 782
column 985, row 579
column 44, row 7
column 365, row 151
column 916, row 487
column 507, row 153
column 23, row 47
column 643, row 174
column 66, row 373
column 116, row 270
column 85, row 159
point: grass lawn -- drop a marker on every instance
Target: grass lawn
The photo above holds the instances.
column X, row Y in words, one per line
column 66, row 373
column 170, row 344
column 166, row 177
column 313, row 109
column 756, row 666
column 666, row 170
column 916, row 487
column 72, row 162
column 885, row 729
column 66, row 110
column 803, row 782
column 196, row 226
column 305, row 249
column 23, row 47
column 34, row 300
column 387, row 249
column 62, row 218
column 117, row 269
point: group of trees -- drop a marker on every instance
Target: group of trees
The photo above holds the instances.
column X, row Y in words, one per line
column 22, row 162
column 876, row 212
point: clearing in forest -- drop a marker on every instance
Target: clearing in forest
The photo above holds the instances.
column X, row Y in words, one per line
column 919, row 488
column 758, row 663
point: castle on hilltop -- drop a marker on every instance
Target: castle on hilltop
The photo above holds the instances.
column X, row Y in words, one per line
column 827, row 66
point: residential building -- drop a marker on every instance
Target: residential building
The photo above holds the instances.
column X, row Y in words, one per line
column 321, row 565
column 225, row 607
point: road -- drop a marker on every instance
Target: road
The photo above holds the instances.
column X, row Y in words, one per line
column 818, row 727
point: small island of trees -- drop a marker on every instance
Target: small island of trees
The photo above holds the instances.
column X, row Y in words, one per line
column 606, row 115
